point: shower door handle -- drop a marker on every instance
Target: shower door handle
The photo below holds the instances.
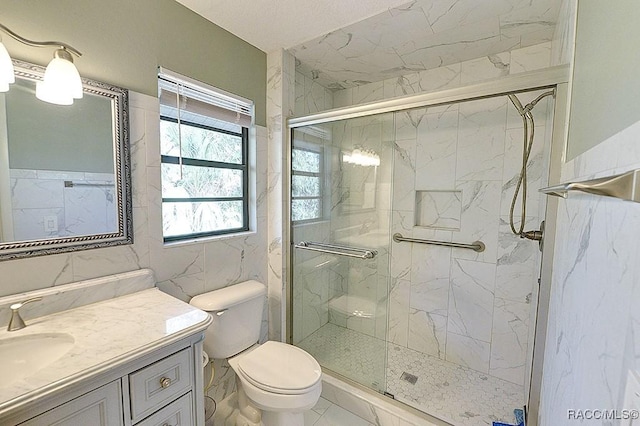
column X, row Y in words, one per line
column 357, row 252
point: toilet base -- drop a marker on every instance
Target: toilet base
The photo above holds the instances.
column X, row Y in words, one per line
column 272, row 418
column 229, row 414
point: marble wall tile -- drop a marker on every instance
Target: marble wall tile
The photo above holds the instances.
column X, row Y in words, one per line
column 184, row 287
column 137, row 126
column 479, row 220
column 509, row 340
column 512, row 169
column 430, row 276
column 427, row 332
column 399, row 297
column 408, row 84
column 403, row 197
column 486, row 68
column 518, row 265
column 436, row 150
column 531, row 58
column 562, row 42
column 481, row 136
column 343, row 98
column 471, row 299
column 539, row 19
column 468, row 352
column 37, row 193
column 24, row 275
column 400, row 267
column 407, row 123
column 441, row 78
column 438, row 209
column 29, row 224
column 368, row 93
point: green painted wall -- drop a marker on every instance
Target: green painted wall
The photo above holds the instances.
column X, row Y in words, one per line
column 124, row 41
column 42, row 136
column 606, row 87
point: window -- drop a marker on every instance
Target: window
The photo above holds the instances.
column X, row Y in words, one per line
column 204, row 139
column 306, row 184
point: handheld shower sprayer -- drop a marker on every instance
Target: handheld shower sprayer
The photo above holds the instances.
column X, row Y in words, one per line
column 528, row 131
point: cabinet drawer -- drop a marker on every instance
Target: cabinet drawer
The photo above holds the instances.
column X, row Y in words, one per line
column 178, row 413
column 160, row 383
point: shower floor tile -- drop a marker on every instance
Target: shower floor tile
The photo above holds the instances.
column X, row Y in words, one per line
column 453, row 393
column 347, row 352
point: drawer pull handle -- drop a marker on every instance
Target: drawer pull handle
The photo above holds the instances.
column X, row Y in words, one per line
column 165, row 382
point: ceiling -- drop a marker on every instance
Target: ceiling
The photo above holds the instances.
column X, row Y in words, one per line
column 277, row 24
column 341, row 44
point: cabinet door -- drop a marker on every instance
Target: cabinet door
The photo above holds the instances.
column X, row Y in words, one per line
column 178, row 413
column 100, row 407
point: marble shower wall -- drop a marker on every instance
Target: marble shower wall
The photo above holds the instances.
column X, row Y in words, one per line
column 461, row 162
column 451, row 76
column 421, row 35
column 593, row 334
column 44, row 207
column 182, row 269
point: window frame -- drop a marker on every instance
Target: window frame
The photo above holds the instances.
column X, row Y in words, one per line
column 195, row 162
column 321, row 175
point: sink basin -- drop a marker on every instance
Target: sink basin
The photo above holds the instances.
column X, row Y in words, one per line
column 22, row 356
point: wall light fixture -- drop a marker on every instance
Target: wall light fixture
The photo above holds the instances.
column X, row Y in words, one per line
column 61, row 83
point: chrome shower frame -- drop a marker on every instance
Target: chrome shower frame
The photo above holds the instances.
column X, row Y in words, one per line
column 551, row 78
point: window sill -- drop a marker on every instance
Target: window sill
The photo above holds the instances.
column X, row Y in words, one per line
column 211, row 239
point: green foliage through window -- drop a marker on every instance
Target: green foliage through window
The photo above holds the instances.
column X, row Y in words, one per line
column 306, row 184
column 204, row 180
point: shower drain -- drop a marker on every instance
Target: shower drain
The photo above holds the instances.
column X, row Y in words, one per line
column 408, row 377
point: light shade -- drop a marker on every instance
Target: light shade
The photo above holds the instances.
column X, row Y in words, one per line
column 61, row 83
column 7, row 74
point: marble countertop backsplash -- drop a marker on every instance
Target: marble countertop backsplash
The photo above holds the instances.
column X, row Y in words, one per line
column 106, row 335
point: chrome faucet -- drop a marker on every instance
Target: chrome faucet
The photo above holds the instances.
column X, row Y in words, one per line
column 16, row 322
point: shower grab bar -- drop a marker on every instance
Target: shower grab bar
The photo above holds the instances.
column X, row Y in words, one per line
column 364, row 253
column 475, row 246
column 625, row 186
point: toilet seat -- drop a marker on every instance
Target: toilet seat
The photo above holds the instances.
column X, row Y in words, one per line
column 280, row 368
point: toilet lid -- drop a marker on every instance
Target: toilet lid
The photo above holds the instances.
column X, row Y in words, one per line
column 280, row 368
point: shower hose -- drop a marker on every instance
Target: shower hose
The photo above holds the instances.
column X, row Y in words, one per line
column 528, row 131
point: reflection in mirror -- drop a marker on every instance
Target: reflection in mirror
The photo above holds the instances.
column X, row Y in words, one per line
column 64, row 171
column 359, row 169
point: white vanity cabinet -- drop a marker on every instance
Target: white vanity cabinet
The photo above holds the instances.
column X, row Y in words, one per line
column 163, row 388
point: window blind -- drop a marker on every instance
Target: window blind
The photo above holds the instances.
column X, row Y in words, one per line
column 182, row 94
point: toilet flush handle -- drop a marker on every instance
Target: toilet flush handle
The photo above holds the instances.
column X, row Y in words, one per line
column 220, row 313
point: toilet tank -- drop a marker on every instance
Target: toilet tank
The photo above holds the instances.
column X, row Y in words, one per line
column 237, row 317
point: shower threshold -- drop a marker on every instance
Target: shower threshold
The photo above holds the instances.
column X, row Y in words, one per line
column 453, row 393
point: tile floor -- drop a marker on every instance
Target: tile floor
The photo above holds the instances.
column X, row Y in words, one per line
column 327, row 414
column 453, row 393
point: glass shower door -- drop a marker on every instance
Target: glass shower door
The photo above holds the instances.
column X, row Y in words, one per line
column 340, row 214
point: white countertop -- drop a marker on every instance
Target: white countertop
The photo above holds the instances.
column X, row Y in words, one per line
column 107, row 334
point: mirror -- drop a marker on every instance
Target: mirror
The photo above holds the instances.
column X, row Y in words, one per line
column 65, row 180
column 359, row 169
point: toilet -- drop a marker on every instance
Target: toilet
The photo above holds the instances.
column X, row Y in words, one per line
column 276, row 382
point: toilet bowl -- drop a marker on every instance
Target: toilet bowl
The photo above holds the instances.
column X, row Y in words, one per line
column 276, row 382
column 281, row 380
